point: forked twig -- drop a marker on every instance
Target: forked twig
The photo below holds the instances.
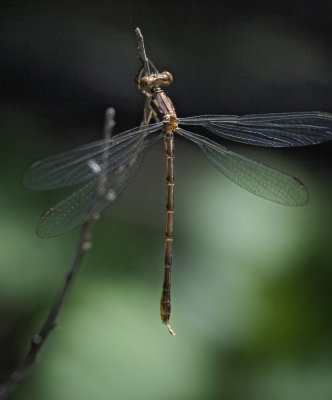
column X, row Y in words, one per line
column 83, row 245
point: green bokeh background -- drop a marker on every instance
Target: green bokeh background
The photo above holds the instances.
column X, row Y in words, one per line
column 251, row 287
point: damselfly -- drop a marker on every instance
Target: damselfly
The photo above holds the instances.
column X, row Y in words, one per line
column 103, row 168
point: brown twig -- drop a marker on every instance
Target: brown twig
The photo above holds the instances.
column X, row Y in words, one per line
column 141, row 51
column 83, row 245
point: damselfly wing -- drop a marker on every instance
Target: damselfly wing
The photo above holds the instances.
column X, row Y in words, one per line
column 85, row 164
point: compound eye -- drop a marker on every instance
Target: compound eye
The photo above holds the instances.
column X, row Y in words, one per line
column 169, row 77
column 166, row 78
column 145, row 83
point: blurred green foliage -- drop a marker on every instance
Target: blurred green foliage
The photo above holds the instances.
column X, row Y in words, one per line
column 251, row 291
column 251, row 287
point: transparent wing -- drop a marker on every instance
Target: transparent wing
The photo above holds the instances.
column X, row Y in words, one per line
column 86, row 162
column 91, row 198
column 273, row 130
column 253, row 176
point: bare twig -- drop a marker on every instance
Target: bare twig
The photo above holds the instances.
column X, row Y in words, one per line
column 146, row 68
column 141, row 51
column 83, row 245
column 109, row 122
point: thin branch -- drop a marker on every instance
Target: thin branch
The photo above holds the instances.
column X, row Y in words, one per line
column 146, row 68
column 84, row 244
column 141, row 51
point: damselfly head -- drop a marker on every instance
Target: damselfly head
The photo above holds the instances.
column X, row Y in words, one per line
column 150, row 82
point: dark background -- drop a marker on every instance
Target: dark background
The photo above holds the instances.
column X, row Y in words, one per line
column 252, row 279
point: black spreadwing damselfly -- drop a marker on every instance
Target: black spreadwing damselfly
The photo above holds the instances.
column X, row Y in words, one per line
column 103, row 168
